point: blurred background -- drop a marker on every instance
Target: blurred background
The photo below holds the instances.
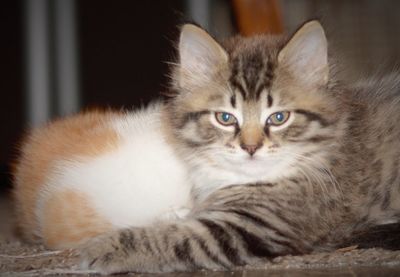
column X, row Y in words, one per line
column 60, row 56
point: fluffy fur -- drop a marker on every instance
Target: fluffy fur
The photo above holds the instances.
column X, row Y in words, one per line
column 324, row 168
column 132, row 177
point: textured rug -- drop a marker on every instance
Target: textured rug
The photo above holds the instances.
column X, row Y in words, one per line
column 17, row 259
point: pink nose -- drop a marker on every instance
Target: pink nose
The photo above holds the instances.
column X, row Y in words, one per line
column 250, row 148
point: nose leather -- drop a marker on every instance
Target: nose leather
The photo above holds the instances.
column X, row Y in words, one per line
column 250, row 148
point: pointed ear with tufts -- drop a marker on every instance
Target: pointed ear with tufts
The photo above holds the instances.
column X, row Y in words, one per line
column 306, row 54
column 200, row 56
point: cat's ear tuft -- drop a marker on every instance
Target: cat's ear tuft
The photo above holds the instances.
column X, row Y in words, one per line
column 200, row 55
column 306, row 54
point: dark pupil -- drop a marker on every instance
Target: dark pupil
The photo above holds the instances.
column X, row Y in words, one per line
column 279, row 116
column 225, row 117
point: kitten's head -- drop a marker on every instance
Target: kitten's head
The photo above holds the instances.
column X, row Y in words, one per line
column 256, row 106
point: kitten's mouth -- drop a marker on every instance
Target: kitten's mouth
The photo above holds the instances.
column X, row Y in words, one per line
column 259, row 160
column 254, row 160
column 251, row 158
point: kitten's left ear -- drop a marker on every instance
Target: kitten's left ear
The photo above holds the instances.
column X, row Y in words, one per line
column 200, row 56
column 306, row 54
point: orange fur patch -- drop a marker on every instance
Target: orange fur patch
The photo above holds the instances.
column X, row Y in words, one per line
column 85, row 135
column 68, row 220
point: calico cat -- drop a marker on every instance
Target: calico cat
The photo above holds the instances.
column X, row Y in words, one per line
column 316, row 161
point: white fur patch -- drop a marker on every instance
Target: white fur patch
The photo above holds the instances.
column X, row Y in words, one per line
column 139, row 182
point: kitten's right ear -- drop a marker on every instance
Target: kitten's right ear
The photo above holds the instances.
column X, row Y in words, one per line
column 200, row 56
column 306, row 54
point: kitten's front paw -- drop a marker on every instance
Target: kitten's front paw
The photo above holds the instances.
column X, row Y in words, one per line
column 103, row 255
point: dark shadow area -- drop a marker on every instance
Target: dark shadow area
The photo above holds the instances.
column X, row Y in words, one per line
column 11, row 85
column 123, row 49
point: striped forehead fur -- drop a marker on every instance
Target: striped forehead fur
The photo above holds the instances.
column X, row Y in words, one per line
column 252, row 63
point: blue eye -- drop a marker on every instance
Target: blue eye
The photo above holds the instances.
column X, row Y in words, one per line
column 278, row 118
column 225, row 118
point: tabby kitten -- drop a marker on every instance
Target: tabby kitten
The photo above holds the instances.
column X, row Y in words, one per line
column 96, row 172
column 317, row 162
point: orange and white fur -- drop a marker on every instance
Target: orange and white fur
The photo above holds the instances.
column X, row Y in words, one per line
column 97, row 171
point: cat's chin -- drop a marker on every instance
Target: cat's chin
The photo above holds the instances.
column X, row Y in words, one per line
column 255, row 160
column 259, row 168
column 254, row 166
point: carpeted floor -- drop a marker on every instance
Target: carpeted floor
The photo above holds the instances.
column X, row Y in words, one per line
column 17, row 259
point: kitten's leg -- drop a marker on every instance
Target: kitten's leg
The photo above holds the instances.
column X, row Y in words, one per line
column 237, row 226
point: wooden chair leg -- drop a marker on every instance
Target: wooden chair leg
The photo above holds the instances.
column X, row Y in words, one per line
column 258, row 16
